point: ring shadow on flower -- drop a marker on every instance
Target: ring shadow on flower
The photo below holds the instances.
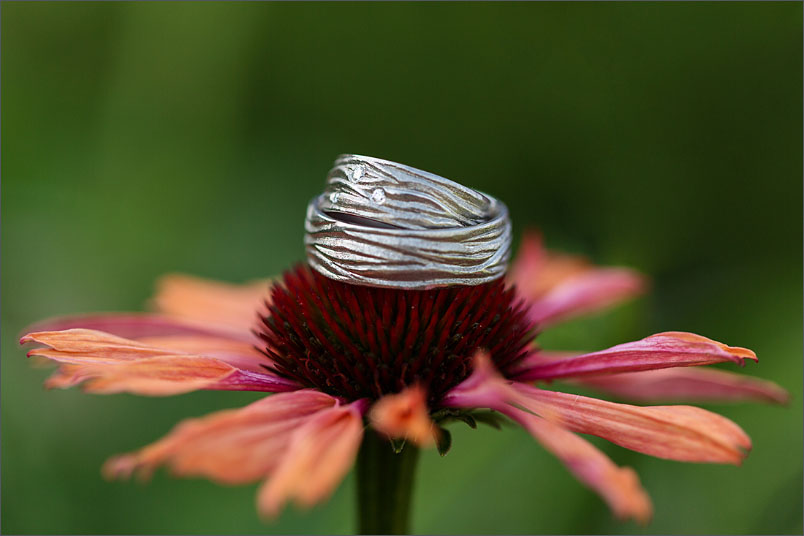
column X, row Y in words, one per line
column 342, row 357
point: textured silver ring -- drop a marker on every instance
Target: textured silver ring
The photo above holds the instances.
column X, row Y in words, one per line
column 384, row 224
column 401, row 196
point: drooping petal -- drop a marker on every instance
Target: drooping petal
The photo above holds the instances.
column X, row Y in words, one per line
column 561, row 286
column 110, row 364
column 686, row 384
column 208, row 303
column 484, row 388
column 404, row 415
column 131, row 325
column 231, row 446
column 318, row 456
column 663, row 350
column 683, row 433
column 618, row 486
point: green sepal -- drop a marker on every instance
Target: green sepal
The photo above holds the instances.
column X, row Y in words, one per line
column 468, row 419
column 443, row 441
column 490, row 418
column 397, row 445
column 444, row 413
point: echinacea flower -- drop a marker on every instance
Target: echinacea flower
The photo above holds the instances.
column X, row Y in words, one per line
column 352, row 367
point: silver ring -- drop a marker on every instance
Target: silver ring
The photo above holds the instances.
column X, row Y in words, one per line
column 383, row 224
column 401, row 196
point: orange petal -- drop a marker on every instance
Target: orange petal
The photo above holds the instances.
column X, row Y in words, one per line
column 231, row 446
column 404, row 415
column 241, row 354
column 85, row 345
column 88, row 346
column 318, row 457
column 683, row 433
column 619, row 486
column 110, row 364
column 66, row 376
column 692, row 338
column 212, row 303
column 128, row 325
column 155, row 376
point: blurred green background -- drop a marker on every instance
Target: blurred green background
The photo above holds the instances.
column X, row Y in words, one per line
column 144, row 138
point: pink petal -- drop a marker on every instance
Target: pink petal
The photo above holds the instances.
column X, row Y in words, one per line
column 232, row 446
column 110, row 364
column 674, row 432
column 694, row 384
column 663, row 350
column 536, row 271
column 561, row 286
column 590, row 291
column 618, row 486
column 484, row 388
column 318, row 456
column 404, row 415
column 212, row 304
column 246, row 380
column 683, row 433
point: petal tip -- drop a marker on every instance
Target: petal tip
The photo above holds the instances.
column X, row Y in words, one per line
column 404, row 414
column 636, row 504
column 780, row 396
column 745, row 353
column 120, row 467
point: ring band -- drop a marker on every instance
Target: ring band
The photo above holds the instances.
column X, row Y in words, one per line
column 421, row 231
column 401, row 196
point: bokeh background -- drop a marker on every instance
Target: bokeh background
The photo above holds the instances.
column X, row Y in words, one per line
column 144, row 138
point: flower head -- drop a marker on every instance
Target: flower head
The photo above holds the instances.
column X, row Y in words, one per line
column 342, row 357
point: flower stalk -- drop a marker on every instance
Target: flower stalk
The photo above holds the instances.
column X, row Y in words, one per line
column 384, row 485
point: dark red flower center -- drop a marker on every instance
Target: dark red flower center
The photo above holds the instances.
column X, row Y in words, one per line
column 354, row 341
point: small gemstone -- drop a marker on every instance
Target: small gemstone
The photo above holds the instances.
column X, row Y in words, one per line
column 378, row 196
column 333, row 197
column 357, row 172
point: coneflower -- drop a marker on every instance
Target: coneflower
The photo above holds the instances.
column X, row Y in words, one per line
column 372, row 374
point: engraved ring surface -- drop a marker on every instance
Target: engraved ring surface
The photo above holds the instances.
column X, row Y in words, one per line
column 383, row 224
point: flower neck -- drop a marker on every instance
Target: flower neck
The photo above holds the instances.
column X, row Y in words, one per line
column 384, row 485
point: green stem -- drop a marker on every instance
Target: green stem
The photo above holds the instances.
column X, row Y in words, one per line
column 384, row 485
